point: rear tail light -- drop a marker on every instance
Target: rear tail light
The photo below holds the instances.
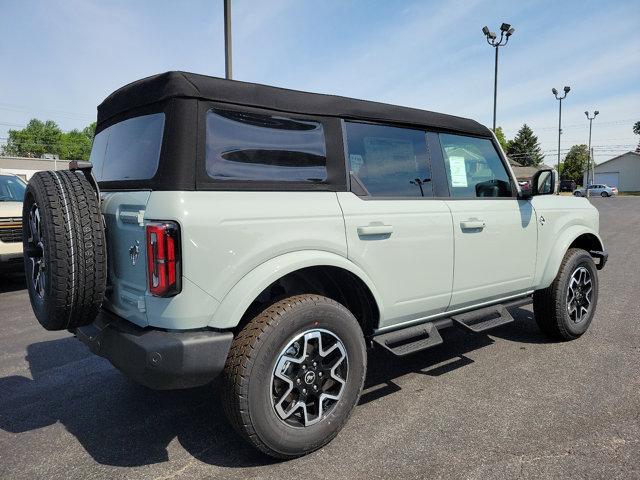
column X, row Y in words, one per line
column 163, row 258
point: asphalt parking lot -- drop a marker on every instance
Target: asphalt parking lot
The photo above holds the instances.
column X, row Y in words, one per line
column 510, row 404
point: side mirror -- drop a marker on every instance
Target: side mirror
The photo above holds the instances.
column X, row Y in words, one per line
column 544, row 182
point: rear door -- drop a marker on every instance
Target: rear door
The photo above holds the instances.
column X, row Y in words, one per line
column 128, row 150
column 396, row 231
column 495, row 234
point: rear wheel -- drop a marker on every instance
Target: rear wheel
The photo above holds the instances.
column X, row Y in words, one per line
column 577, row 194
column 294, row 374
column 64, row 249
column 565, row 309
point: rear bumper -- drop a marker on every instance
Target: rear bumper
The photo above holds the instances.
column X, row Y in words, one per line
column 158, row 359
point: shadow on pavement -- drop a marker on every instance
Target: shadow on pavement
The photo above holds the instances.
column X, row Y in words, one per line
column 122, row 424
column 11, row 282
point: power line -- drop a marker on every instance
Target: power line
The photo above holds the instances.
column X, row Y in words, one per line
column 22, row 108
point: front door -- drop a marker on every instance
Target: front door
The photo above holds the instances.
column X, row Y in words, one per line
column 495, row 234
column 396, row 230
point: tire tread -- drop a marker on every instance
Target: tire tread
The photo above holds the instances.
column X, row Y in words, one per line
column 240, row 362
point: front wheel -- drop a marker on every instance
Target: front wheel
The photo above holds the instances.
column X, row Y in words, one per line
column 577, row 194
column 565, row 309
column 294, row 374
column 604, row 194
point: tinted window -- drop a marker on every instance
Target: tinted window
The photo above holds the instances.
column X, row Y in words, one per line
column 474, row 168
column 389, row 161
column 11, row 189
column 255, row 147
column 128, row 150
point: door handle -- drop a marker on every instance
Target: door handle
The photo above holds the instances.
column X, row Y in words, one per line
column 473, row 224
column 380, row 229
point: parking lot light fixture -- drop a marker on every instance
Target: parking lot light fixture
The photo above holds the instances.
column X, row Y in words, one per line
column 560, row 98
column 590, row 168
column 506, row 30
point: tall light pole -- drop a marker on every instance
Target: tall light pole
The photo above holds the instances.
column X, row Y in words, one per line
column 505, row 32
column 590, row 171
column 227, row 39
column 555, row 93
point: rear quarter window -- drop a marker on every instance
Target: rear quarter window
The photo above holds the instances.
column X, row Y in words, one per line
column 128, row 150
column 247, row 146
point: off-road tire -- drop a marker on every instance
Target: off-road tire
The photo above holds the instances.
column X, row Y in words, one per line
column 73, row 249
column 251, row 362
column 550, row 304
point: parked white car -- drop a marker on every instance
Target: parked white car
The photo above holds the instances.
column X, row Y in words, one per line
column 598, row 189
column 271, row 236
column 12, row 191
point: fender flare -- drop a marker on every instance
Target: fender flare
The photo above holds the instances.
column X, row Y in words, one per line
column 560, row 247
column 236, row 302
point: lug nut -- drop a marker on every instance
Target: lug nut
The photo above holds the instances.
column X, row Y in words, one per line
column 315, row 387
column 304, row 390
column 304, row 367
column 298, row 381
column 319, row 374
column 315, row 364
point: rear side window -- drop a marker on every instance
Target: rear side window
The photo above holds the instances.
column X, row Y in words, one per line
column 474, row 168
column 128, row 150
column 257, row 147
column 389, row 161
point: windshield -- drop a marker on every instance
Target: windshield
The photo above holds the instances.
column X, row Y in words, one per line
column 11, row 189
column 128, row 150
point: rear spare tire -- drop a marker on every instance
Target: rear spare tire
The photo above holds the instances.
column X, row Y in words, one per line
column 64, row 249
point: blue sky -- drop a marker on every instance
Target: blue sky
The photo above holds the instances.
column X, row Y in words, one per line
column 59, row 59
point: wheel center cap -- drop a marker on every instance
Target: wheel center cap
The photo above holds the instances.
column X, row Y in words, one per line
column 309, row 377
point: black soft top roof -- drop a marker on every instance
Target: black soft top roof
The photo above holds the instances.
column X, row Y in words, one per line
column 190, row 85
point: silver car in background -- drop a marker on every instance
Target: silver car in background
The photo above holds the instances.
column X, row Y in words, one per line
column 597, row 189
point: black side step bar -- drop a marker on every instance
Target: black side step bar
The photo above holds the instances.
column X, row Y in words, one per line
column 420, row 337
column 409, row 340
column 481, row 320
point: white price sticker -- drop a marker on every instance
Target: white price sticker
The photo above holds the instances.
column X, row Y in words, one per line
column 458, row 168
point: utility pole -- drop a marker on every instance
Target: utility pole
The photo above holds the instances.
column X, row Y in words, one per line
column 555, row 93
column 227, row 40
column 590, row 171
column 505, row 32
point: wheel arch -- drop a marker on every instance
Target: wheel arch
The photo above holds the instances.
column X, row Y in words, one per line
column 308, row 271
column 574, row 237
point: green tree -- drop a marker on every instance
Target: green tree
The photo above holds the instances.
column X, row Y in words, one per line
column 35, row 139
column 90, row 130
column 504, row 143
column 525, row 149
column 39, row 137
column 636, row 130
column 575, row 164
column 75, row 145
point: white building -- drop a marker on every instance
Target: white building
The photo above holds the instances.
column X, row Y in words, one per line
column 25, row 167
column 622, row 172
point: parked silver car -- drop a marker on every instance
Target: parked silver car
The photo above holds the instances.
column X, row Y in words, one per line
column 597, row 189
